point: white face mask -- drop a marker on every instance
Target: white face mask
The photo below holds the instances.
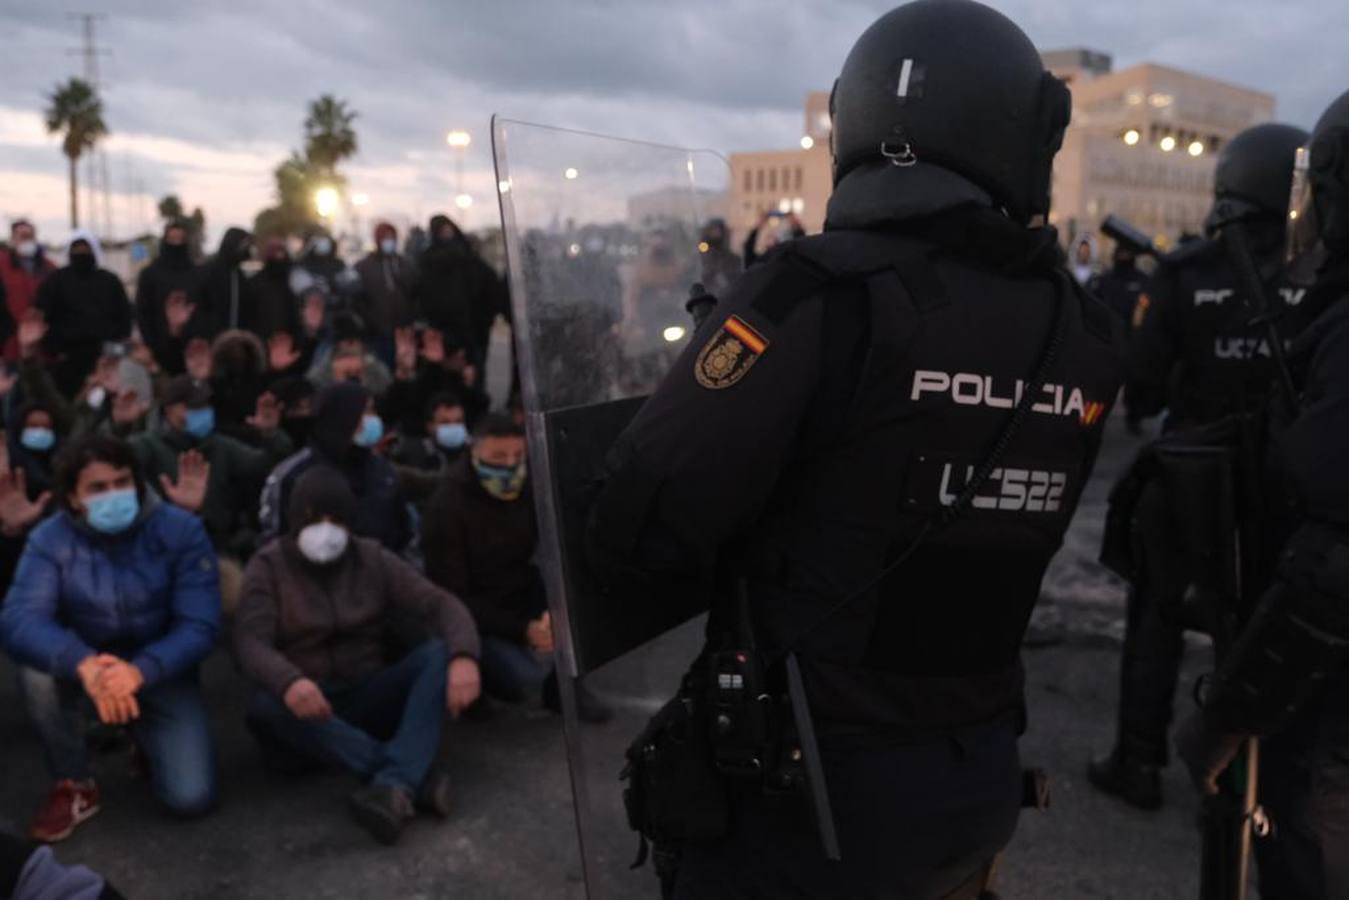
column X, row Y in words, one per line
column 388, row 246
column 322, row 542
column 26, row 249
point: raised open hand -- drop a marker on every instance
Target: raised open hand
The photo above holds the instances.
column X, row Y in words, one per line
column 197, row 357
column 311, row 313
column 281, row 351
column 405, row 350
column 189, row 491
column 17, row 512
column 32, row 329
column 178, row 311
column 433, row 346
column 267, row 414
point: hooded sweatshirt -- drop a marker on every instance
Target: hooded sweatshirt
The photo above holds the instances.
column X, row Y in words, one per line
column 381, row 512
column 298, row 619
column 225, row 291
column 172, row 270
column 84, row 309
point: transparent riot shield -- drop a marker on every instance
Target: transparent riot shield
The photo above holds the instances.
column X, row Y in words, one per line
column 601, row 239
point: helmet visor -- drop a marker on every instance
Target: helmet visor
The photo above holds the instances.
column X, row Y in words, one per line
column 1304, row 251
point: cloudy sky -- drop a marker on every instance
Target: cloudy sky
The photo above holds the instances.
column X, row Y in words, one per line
column 205, row 99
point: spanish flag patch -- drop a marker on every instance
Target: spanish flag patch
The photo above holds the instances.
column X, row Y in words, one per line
column 1091, row 413
column 728, row 354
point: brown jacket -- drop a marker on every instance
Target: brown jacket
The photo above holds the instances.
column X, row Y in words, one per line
column 296, row 621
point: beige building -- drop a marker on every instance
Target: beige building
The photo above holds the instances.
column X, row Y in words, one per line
column 1143, row 143
column 788, row 181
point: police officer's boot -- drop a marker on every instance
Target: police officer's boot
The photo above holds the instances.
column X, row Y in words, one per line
column 1129, row 775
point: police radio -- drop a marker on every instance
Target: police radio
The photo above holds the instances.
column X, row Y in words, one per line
column 740, row 709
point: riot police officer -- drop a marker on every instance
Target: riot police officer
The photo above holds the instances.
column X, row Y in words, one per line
column 882, row 433
column 1119, row 286
column 1285, row 676
column 1197, row 352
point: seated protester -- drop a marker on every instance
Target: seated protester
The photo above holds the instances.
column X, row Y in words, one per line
column 310, row 633
column 238, row 378
column 117, row 600
column 273, row 304
column 425, row 369
column 25, row 484
column 344, row 434
column 479, row 536
column 345, row 357
column 296, row 396
column 422, row 457
column 440, row 439
column 85, row 307
column 233, row 471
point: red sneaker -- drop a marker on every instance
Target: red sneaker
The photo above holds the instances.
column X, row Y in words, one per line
column 69, row 804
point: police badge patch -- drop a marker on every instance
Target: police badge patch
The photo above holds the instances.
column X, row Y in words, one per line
column 728, row 354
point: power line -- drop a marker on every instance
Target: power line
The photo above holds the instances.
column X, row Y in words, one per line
column 99, row 184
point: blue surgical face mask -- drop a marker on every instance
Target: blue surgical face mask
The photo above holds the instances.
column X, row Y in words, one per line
column 200, row 422
column 39, row 440
column 452, row 436
column 372, row 429
column 112, row 512
column 323, row 246
column 388, row 246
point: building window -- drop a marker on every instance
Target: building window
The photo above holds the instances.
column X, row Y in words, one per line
column 798, row 178
column 758, row 180
column 772, row 179
column 749, row 181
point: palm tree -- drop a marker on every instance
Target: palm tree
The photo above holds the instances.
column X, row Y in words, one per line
column 74, row 107
column 328, row 135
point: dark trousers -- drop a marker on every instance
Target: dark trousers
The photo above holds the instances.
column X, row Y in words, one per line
column 1154, row 637
column 384, row 728
column 1304, row 787
column 172, row 731
column 914, row 821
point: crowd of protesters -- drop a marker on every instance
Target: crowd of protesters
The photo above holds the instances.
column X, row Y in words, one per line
column 296, row 464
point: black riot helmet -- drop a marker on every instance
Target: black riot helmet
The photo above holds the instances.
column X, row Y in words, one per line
column 1327, row 176
column 951, row 86
column 1254, row 174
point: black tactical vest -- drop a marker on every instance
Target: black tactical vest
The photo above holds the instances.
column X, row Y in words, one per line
column 927, row 354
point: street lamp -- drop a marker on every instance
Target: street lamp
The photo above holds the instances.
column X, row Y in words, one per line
column 1168, row 144
column 807, row 142
column 1196, row 148
column 325, row 202
column 360, row 199
column 1132, row 137
column 458, row 139
column 463, row 201
column 571, row 174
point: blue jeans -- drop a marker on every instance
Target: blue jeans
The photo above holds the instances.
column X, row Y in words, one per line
column 385, row 728
column 511, row 670
column 172, row 731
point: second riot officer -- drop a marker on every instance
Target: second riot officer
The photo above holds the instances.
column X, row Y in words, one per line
column 880, row 436
column 1197, row 350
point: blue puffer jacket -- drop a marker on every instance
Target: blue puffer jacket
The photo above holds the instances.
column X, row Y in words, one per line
column 150, row 595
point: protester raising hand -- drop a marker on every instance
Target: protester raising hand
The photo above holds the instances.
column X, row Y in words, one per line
column 189, row 490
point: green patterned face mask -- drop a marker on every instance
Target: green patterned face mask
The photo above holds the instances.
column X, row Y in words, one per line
column 502, row 482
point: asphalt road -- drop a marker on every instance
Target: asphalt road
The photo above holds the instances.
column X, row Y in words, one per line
column 512, row 833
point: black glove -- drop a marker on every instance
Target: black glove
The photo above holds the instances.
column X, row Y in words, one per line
column 1206, row 751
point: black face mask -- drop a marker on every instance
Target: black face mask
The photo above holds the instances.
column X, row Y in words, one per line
column 276, row 266
column 82, row 262
column 174, row 252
